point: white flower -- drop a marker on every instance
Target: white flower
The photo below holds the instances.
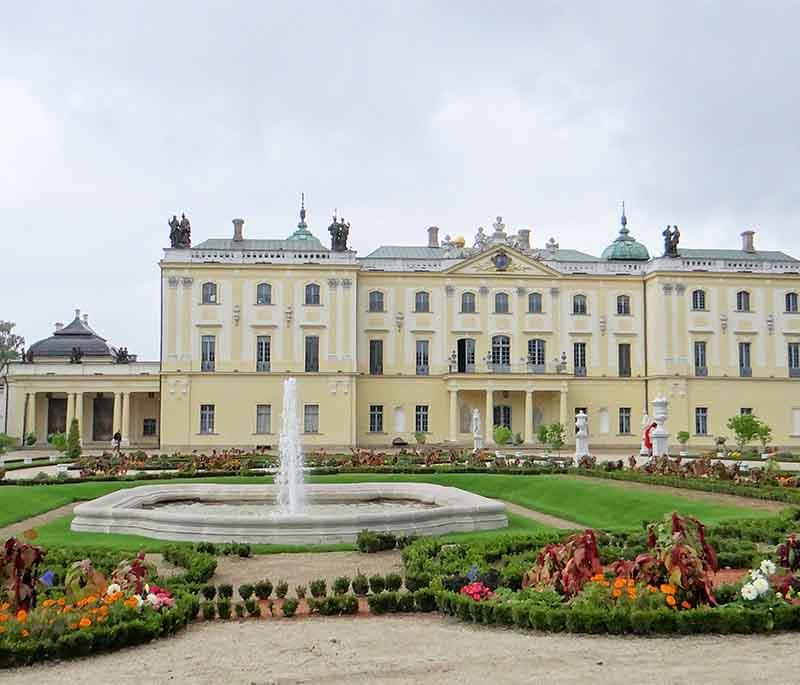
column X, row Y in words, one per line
column 761, row 585
column 749, row 592
column 139, row 600
column 152, row 600
column 113, row 588
column 767, row 567
column 755, row 573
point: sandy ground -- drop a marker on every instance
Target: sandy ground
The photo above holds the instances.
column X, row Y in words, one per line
column 421, row 649
column 16, row 529
column 545, row 519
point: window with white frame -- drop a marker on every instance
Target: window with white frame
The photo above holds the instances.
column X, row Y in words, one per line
column 791, row 303
column 468, row 303
column 263, row 353
column 209, row 293
column 264, row 293
column 312, row 294
column 376, row 301
column 421, row 418
column 745, row 411
column 206, row 418
column 579, row 358
column 375, row 357
column 700, row 360
column 793, row 358
column 208, row 353
column 579, row 304
column 263, row 418
column 535, row 303
column 501, row 353
column 312, row 354
column 536, row 354
column 149, row 427
column 422, row 302
column 742, row 301
column 376, row 418
column 624, row 359
column 311, row 418
column 624, row 420
column 422, row 357
column 501, row 303
column 623, row 305
column 701, row 420
column 745, row 369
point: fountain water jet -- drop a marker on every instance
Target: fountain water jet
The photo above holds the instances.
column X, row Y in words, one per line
column 291, row 488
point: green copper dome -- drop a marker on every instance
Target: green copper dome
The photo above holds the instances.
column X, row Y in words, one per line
column 625, row 247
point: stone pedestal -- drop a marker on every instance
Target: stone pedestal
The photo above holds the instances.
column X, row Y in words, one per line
column 659, row 435
column 581, row 436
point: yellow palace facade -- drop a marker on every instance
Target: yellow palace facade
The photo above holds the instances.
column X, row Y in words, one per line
column 412, row 339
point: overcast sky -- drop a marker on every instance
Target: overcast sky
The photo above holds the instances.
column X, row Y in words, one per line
column 114, row 116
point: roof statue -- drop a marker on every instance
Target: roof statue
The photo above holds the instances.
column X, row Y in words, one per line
column 671, row 239
column 180, row 232
column 339, row 231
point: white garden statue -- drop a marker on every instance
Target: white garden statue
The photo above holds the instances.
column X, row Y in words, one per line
column 477, row 432
column 659, row 436
column 581, row 436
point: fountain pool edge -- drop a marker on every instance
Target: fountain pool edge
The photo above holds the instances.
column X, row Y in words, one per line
column 121, row 512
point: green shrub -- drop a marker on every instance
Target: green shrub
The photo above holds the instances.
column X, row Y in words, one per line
column 341, row 585
column 405, row 602
column 225, row 591
column 239, row 608
column 209, row 610
column 393, row 582
column 253, row 607
column 209, row 592
column 263, row 589
column 243, row 550
column 329, row 606
column 377, row 584
column 58, row 441
column 360, row 585
column 370, row 542
column 348, row 604
column 300, row 591
column 424, row 599
column 246, row 591
column 74, row 440
column 417, row 581
column 224, row 608
column 206, row 548
column 30, row 439
column 502, row 435
column 319, row 588
column 289, row 607
column 383, row 603
column 281, row 589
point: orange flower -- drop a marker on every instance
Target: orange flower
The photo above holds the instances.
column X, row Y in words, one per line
column 616, row 593
column 4, row 618
column 2, row 630
column 652, row 588
column 73, row 626
column 619, row 582
column 597, row 577
column 22, row 615
column 25, row 633
column 686, row 604
column 48, row 603
column 671, row 600
column 131, row 603
column 4, row 606
column 631, row 593
column 101, row 619
column 61, row 601
column 85, row 622
column 668, row 589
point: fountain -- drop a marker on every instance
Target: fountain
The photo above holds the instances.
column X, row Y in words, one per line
column 288, row 512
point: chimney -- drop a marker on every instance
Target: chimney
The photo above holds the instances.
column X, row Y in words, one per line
column 747, row 241
column 433, row 236
column 77, row 313
column 237, row 229
column 59, row 325
column 524, row 238
column 86, row 319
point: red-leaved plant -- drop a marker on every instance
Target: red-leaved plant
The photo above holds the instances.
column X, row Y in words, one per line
column 19, row 573
column 566, row 567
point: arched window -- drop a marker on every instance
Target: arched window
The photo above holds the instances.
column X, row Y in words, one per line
column 579, row 304
column 536, row 355
column 501, row 353
column 501, row 303
column 699, row 300
column 422, row 301
column 376, row 301
column 742, row 301
column 468, row 303
column 209, row 293
column 623, row 305
column 312, row 293
column 535, row 303
column 791, row 303
column 264, row 293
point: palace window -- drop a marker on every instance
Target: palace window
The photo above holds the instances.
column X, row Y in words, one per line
column 742, row 301
column 312, row 294
column 501, row 353
column 700, row 363
column 745, row 369
column 376, row 418
column 501, row 303
column 624, row 359
column 312, row 354
column 263, row 418
column 579, row 358
column 535, row 303
column 536, row 356
column 791, row 303
column 422, row 302
column 623, row 305
column 422, row 358
column 579, row 304
column 624, row 420
column 311, row 418
column 745, row 411
column 701, row 420
column 263, row 353
column 208, row 351
column 209, row 293
column 421, row 418
column 206, row 418
column 149, row 427
column 793, row 352
column 264, row 293
column 375, row 357
column 699, row 300
column 468, row 303
column 376, row 301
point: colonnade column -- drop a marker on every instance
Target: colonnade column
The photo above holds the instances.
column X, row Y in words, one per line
column 117, row 422
column 79, row 414
column 30, row 426
column 528, row 416
column 562, row 410
column 453, row 437
column 488, row 418
column 70, row 410
column 126, row 418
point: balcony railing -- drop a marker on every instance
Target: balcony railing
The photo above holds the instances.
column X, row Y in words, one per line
column 701, row 371
column 423, row 370
column 745, row 371
column 207, row 365
column 262, row 366
column 510, row 367
column 794, row 372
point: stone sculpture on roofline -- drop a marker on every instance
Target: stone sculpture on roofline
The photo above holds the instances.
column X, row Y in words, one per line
column 339, row 231
column 180, row 232
column 672, row 237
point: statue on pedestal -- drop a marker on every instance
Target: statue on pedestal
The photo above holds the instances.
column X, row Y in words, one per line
column 477, row 432
column 581, row 436
column 339, row 231
column 672, row 237
column 180, row 232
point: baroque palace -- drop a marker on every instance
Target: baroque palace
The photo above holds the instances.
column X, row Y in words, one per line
column 411, row 339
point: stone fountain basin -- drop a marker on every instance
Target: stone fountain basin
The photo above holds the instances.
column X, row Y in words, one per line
column 131, row 511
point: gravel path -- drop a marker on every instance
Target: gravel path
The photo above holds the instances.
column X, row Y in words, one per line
column 16, row 529
column 546, row 519
column 421, row 649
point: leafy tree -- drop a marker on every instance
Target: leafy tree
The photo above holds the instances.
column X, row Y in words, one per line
column 10, row 343
column 556, row 435
column 502, row 434
column 74, row 440
column 764, row 435
column 745, row 428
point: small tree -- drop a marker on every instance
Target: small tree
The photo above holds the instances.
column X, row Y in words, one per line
column 542, row 434
column 502, row 434
column 764, row 435
column 419, row 436
column 556, row 434
column 74, row 440
column 745, row 428
column 683, row 438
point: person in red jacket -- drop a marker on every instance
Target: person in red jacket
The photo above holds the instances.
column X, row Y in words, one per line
column 648, row 442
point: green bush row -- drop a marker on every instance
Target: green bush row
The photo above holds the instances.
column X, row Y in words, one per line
column 423, row 600
column 530, row 614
